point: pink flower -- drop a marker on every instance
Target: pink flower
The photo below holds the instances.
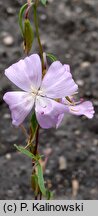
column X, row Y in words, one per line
column 77, row 108
column 39, row 94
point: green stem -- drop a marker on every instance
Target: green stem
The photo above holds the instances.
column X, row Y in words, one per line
column 35, row 151
column 36, row 2
column 37, row 34
column 37, row 140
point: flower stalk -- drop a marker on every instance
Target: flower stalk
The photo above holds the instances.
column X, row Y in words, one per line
column 42, row 60
column 37, row 141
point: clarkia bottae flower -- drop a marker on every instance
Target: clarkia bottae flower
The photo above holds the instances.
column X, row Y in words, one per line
column 45, row 96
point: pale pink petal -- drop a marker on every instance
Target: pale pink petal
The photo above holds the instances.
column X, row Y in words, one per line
column 58, row 82
column 27, row 73
column 48, row 111
column 85, row 108
column 46, row 121
column 20, row 104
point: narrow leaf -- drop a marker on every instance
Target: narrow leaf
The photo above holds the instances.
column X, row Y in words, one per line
column 41, row 179
column 25, row 151
column 52, row 57
column 23, row 8
column 43, row 2
column 34, row 183
column 49, row 195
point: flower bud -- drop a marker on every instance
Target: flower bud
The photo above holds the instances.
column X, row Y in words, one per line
column 28, row 36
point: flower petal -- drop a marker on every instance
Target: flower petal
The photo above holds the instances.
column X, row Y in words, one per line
column 26, row 73
column 85, row 108
column 20, row 104
column 48, row 111
column 58, row 82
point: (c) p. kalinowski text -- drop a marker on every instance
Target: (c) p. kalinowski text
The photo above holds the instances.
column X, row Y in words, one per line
column 50, row 207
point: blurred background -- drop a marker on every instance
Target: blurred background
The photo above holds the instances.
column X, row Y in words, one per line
column 69, row 30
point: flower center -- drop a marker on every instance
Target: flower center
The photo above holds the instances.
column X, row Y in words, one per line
column 34, row 91
column 37, row 92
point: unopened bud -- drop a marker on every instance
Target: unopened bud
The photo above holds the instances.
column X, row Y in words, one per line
column 28, row 36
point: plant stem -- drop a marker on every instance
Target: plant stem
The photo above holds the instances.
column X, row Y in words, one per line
column 40, row 196
column 43, row 67
column 36, row 141
column 27, row 11
column 35, row 150
column 36, row 2
column 37, row 34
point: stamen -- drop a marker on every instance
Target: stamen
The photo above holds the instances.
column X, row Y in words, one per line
column 34, row 91
column 70, row 101
column 40, row 93
column 74, row 110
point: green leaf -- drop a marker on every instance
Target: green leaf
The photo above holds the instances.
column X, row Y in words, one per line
column 49, row 195
column 28, row 36
column 34, row 183
column 22, row 9
column 51, row 56
column 25, row 151
column 43, row 2
column 41, row 179
column 34, row 124
column 41, row 184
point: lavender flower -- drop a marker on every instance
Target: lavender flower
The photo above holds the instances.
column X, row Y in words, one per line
column 40, row 94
